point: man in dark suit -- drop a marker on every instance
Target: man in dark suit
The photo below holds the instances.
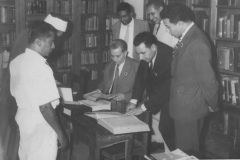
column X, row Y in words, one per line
column 128, row 27
column 119, row 75
column 194, row 88
column 153, row 76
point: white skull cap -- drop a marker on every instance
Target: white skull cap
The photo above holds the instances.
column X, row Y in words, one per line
column 57, row 23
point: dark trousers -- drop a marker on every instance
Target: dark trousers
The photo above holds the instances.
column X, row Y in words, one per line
column 166, row 127
column 188, row 133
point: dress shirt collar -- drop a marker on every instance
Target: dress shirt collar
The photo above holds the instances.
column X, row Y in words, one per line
column 186, row 30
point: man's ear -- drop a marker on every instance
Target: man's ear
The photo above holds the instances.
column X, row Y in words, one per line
column 38, row 42
column 153, row 47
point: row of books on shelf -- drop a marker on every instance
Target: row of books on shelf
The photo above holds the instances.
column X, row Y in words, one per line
column 91, row 40
column 229, row 3
column 231, row 125
column 226, row 124
column 229, row 58
column 6, row 38
column 229, row 26
column 108, row 38
column 36, row 7
column 91, row 23
column 89, row 57
column 89, row 6
column 200, row 2
column 4, row 59
column 202, row 20
column 68, row 44
column 106, row 57
column 7, row 14
column 62, row 7
column 65, row 60
column 230, row 89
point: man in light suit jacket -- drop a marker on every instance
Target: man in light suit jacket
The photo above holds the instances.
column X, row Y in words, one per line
column 154, row 77
column 128, row 27
column 194, row 88
column 119, row 75
column 153, row 9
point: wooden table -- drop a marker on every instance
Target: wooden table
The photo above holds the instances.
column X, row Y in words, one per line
column 88, row 131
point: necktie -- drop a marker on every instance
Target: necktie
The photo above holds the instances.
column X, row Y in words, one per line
column 113, row 87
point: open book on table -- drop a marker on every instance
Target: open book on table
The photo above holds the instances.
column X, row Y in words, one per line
column 119, row 123
column 98, row 95
column 66, row 94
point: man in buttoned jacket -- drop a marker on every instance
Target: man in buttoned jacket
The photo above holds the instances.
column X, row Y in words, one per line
column 155, row 81
column 194, row 88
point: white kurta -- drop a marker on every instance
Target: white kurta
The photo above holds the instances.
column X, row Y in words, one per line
column 32, row 84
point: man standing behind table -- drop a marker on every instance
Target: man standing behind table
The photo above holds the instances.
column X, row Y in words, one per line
column 154, row 8
column 154, row 77
column 119, row 75
column 33, row 86
column 128, row 27
column 194, row 88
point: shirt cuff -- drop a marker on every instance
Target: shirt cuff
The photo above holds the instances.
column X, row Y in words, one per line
column 143, row 107
column 134, row 101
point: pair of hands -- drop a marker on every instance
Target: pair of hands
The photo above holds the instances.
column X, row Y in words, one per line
column 132, row 109
column 119, row 97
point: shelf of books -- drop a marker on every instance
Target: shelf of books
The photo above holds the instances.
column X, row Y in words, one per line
column 7, row 34
column 90, row 38
column 202, row 12
column 110, row 17
column 63, row 58
column 228, row 54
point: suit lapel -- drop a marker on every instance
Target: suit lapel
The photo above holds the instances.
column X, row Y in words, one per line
column 125, row 70
column 179, row 50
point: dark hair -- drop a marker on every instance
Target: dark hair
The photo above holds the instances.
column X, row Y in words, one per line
column 125, row 7
column 177, row 12
column 156, row 4
column 40, row 29
column 119, row 43
column 145, row 37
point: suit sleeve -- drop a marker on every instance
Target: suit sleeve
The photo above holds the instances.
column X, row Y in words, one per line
column 159, row 94
column 128, row 95
column 204, row 72
column 140, row 81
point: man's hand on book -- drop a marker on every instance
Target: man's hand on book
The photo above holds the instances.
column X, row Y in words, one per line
column 135, row 111
column 119, row 97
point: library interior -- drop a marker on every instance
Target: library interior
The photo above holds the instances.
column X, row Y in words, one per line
column 119, row 79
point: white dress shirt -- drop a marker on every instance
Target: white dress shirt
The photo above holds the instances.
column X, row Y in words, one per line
column 129, row 36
